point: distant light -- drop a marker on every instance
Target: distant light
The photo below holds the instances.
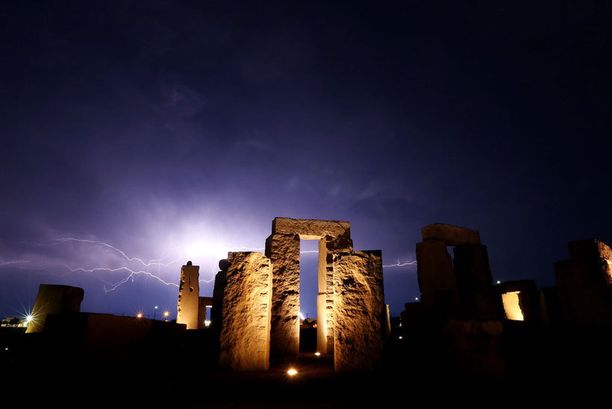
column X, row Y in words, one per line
column 29, row 318
column 6, row 349
column 292, row 372
column 139, row 315
column 302, row 316
column 498, row 282
column 416, row 298
column 156, row 307
column 207, row 323
column 400, row 337
column 317, row 353
column 166, row 314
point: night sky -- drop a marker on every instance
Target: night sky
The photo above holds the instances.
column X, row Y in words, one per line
column 137, row 135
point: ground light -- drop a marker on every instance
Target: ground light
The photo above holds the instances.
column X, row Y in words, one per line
column 292, row 372
column 139, row 315
column 317, row 353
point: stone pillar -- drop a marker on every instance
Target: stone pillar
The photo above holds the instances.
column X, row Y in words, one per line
column 284, row 253
column 436, row 277
column 188, row 297
column 585, row 282
column 328, row 247
column 359, row 310
column 245, row 334
column 479, row 299
column 54, row 299
column 218, row 290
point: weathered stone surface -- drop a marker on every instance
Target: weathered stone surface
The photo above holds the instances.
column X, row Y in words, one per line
column 359, row 310
column 436, row 276
column 284, row 253
column 188, row 296
column 449, row 234
column 245, row 334
column 310, row 229
column 54, row 299
column 478, row 297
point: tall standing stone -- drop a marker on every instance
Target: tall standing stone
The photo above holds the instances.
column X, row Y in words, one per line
column 359, row 310
column 245, row 333
column 54, row 299
column 189, row 296
column 284, row 253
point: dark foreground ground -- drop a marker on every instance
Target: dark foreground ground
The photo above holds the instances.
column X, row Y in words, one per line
column 552, row 367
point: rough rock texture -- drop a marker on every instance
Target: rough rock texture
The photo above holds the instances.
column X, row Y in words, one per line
column 188, row 296
column 329, row 246
column 54, row 299
column 584, row 282
column 451, row 235
column 284, row 253
column 436, row 275
column 311, row 229
column 359, row 310
column 245, row 334
column 203, row 303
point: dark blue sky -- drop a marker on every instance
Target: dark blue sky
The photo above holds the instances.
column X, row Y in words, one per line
column 174, row 130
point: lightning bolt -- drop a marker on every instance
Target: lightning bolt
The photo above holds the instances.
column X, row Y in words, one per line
column 9, row 262
column 152, row 262
column 116, row 285
column 400, row 264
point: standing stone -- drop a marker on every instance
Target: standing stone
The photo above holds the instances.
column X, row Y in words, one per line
column 436, row 277
column 479, row 299
column 216, row 313
column 54, row 299
column 245, row 334
column 449, row 234
column 188, row 297
column 359, row 310
column 284, row 253
column 585, row 282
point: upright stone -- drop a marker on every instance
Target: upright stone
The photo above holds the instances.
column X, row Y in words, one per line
column 359, row 310
column 585, row 282
column 284, row 253
column 54, row 299
column 245, row 334
column 479, row 299
column 188, row 296
column 436, row 277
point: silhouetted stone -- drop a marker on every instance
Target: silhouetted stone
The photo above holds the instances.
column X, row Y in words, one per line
column 451, row 235
column 54, row 299
column 584, row 282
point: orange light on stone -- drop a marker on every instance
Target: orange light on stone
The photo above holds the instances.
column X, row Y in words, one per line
column 292, row 372
column 512, row 306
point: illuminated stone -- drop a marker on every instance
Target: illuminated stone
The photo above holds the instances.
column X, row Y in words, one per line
column 512, row 306
column 359, row 310
column 522, row 301
column 283, row 249
column 188, row 296
column 54, row 299
column 245, row 333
